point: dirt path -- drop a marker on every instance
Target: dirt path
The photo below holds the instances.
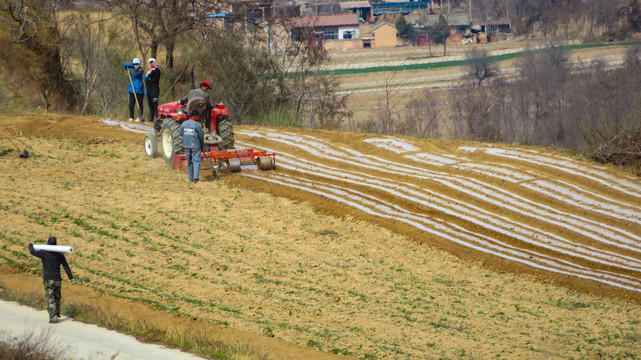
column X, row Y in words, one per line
column 345, row 258
column 78, row 340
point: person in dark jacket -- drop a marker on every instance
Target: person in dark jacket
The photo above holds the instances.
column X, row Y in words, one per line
column 201, row 92
column 193, row 139
column 137, row 92
column 152, row 81
column 52, row 280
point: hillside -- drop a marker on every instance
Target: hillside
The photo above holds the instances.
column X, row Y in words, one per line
column 369, row 246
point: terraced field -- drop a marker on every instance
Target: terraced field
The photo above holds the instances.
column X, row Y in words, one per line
column 356, row 246
column 539, row 211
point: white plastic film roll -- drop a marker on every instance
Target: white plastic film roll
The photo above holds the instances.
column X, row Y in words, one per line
column 54, row 248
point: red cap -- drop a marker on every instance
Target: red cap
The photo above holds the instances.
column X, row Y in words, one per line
column 206, row 83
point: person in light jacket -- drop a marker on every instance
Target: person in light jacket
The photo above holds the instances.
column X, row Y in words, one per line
column 52, row 280
column 193, row 139
column 152, row 81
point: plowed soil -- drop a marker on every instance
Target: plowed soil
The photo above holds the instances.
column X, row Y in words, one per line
column 375, row 247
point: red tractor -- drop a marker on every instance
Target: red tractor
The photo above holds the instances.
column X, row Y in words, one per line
column 219, row 141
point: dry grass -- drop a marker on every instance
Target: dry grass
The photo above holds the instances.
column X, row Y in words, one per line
column 31, row 346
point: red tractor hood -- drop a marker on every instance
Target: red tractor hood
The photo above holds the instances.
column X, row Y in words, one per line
column 172, row 109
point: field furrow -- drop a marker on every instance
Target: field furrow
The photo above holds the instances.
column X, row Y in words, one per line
column 541, row 210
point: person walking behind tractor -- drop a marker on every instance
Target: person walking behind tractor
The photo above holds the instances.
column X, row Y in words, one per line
column 136, row 89
column 152, row 81
column 193, row 139
column 52, row 280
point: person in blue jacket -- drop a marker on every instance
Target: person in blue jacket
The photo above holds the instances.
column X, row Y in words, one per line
column 137, row 93
column 193, row 139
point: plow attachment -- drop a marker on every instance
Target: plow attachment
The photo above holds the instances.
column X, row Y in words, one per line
column 233, row 160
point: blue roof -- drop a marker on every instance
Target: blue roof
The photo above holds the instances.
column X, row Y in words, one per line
column 215, row 15
column 405, row 7
column 403, row 2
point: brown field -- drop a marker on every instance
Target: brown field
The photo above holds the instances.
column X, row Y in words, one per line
column 319, row 257
column 366, row 91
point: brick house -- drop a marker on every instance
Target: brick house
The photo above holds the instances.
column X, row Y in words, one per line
column 383, row 34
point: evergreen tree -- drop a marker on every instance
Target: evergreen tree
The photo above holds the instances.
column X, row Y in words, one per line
column 439, row 33
column 405, row 29
column 401, row 23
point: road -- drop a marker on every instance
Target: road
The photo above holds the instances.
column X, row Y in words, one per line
column 83, row 341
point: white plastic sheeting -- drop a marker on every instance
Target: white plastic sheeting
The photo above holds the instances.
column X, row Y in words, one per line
column 54, row 248
column 133, row 127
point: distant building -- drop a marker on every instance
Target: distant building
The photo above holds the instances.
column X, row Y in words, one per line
column 463, row 31
column 384, row 34
column 492, row 27
column 400, row 7
column 332, row 27
column 319, row 9
column 361, row 8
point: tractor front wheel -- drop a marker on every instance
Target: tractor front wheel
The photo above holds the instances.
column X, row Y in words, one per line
column 170, row 140
column 226, row 132
column 151, row 145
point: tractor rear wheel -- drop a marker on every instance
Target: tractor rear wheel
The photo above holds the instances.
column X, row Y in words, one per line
column 170, row 140
column 226, row 132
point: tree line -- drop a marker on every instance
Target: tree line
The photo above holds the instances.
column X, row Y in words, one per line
column 591, row 108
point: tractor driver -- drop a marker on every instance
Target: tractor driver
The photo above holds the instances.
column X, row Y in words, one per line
column 199, row 93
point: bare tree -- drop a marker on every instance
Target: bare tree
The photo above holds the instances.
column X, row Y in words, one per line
column 300, row 57
column 540, row 94
column 481, row 68
column 302, row 82
column 164, row 22
column 421, row 117
column 242, row 72
column 606, row 103
column 633, row 13
column 34, row 36
column 90, row 45
column 386, row 113
column 257, row 73
column 474, row 116
column 604, row 16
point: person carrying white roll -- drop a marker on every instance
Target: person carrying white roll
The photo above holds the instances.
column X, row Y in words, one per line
column 52, row 280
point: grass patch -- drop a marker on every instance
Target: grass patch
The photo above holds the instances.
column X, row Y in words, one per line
column 454, row 63
column 280, row 117
column 6, row 151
